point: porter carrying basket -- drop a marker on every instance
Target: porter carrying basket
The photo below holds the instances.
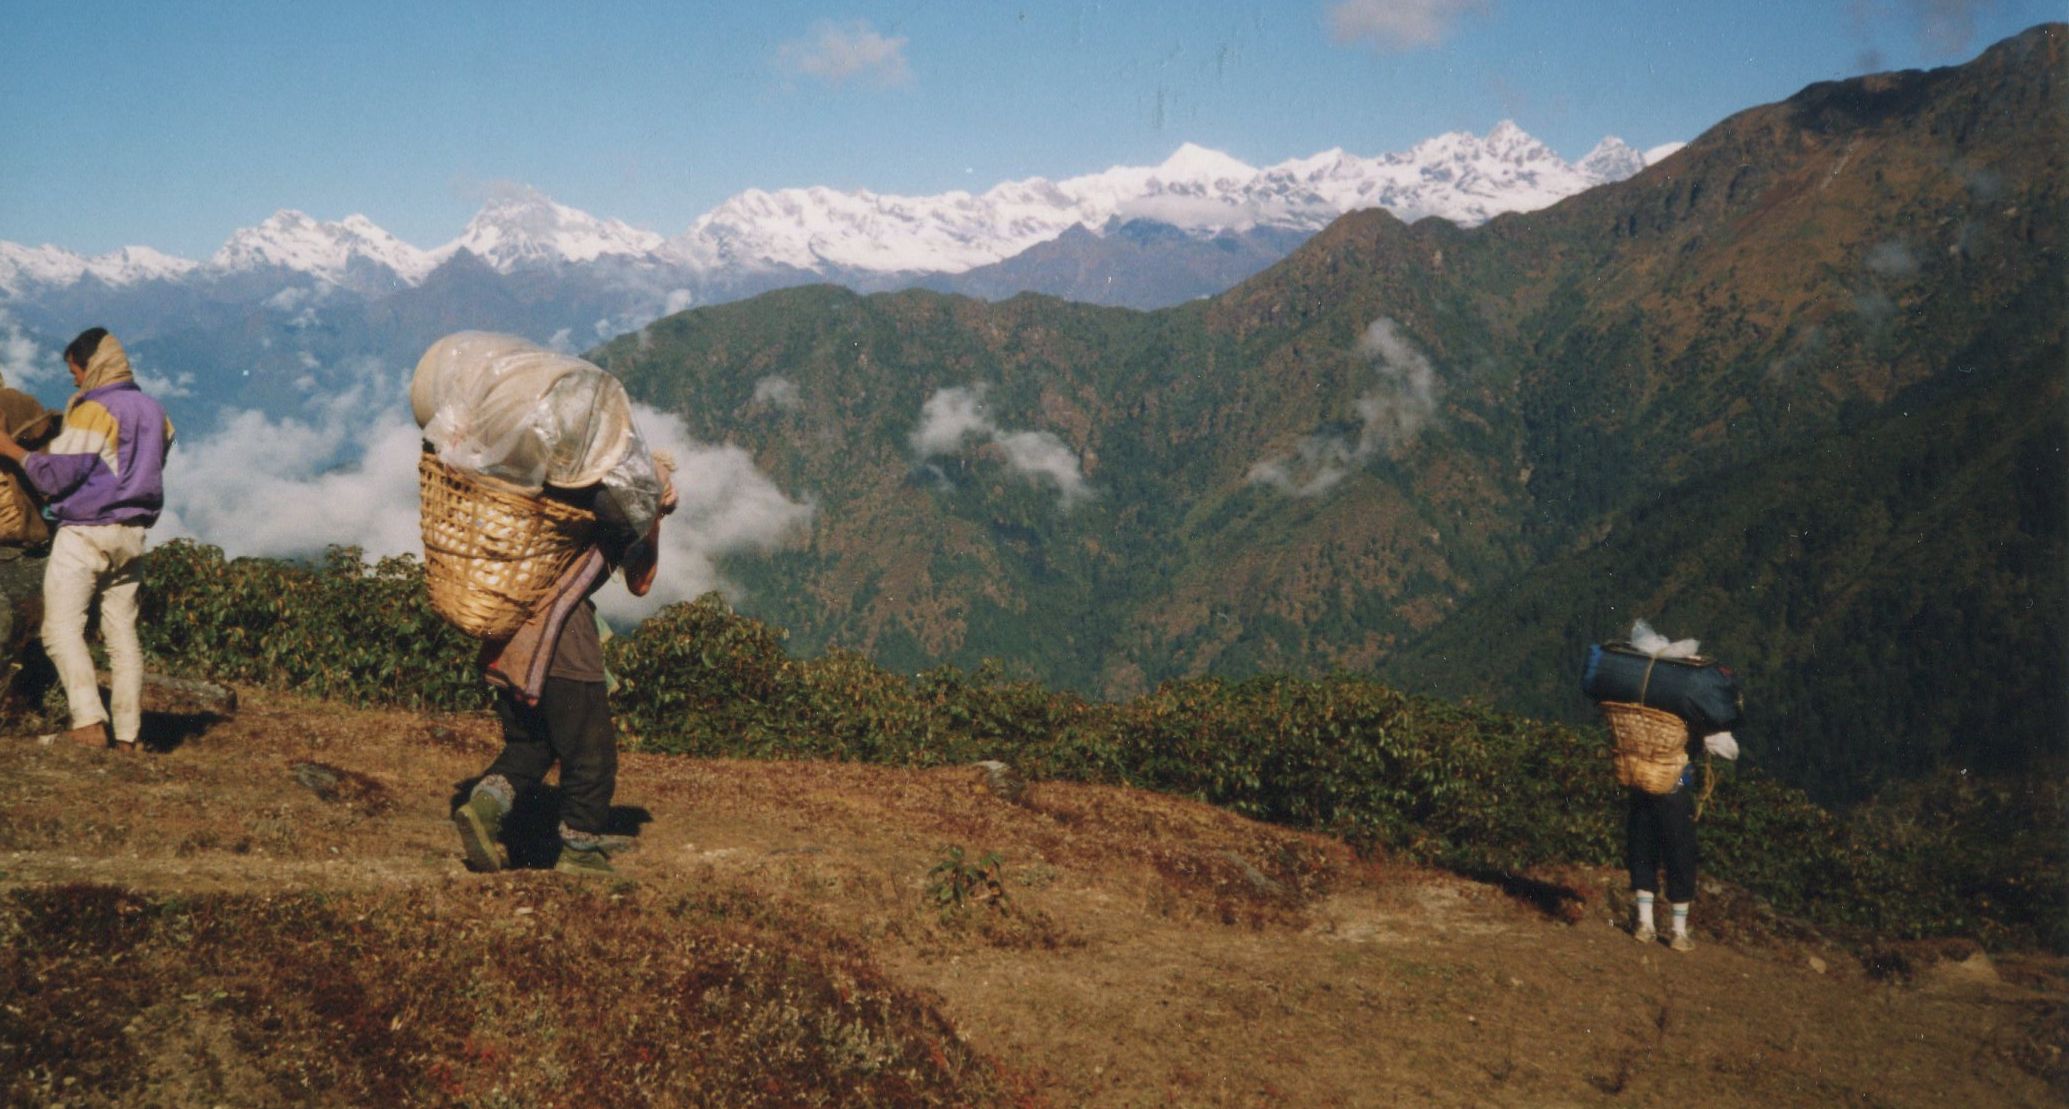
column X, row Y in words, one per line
column 492, row 553
column 1651, row 746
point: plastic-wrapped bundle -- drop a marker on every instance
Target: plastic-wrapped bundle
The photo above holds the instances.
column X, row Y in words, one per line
column 1698, row 690
column 501, row 407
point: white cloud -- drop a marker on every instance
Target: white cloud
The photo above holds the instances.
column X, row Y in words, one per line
column 947, row 418
column 1042, row 454
column 178, row 385
column 952, row 416
column 287, row 299
column 728, row 507
column 1407, row 395
column 836, row 54
column 1399, row 24
column 1389, row 417
column 1892, row 258
column 776, row 391
column 23, row 363
column 677, row 300
column 285, row 488
column 1317, row 463
column 1657, row 154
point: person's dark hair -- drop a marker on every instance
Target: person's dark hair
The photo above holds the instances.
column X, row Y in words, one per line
column 82, row 348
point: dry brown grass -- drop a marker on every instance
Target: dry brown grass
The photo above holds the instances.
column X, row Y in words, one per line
column 275, row 912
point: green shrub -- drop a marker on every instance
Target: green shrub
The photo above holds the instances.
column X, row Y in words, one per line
column 1448, row 783
column 336, row 627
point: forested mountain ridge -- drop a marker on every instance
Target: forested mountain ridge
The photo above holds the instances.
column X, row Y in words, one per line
column 1753, row 393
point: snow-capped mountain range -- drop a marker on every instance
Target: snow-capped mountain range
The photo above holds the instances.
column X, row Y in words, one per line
column 1459, row 176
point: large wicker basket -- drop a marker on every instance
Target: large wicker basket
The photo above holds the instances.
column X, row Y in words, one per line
column 491, row 554
column 1651, row 746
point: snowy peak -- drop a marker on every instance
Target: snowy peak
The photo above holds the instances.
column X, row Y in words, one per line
column 1192, row 162
column 521, row 227
column 1611, row 160
column 1459, row 176
column 26, row 267
column 23, row 267
column 131, row 264
column 292, row 240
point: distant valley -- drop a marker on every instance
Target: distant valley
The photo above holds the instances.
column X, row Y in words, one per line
column 1796, row 390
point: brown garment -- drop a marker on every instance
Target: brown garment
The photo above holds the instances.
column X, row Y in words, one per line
column 578, row 656
column 520, row 663
column 21, row 514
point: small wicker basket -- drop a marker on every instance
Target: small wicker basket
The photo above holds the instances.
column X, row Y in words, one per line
column 1651, row 746
column 491, row 554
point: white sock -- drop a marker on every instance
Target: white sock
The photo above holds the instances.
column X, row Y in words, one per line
column 1680, row 918
column 1644, row 911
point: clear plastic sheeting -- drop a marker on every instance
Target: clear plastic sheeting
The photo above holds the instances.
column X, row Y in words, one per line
column 1658, row 646
column 502, row 407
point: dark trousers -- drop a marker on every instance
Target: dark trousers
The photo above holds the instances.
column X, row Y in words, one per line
column 571, row 725
column 1661, row 829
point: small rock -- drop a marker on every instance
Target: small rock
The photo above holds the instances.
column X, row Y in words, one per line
column 1977, row 969
column 1001, row 780
column 1259, row 881
column 1817, row 964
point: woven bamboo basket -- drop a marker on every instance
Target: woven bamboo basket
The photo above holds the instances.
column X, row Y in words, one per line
column 491, row 554
column 1651, row 746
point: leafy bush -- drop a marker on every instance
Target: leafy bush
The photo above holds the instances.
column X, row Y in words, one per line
column 336, row 628
column 1444, row 782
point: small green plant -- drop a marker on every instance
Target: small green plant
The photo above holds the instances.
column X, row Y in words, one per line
column 956, row 884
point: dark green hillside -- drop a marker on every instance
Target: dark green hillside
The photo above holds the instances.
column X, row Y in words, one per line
column 1795, row 390
column 1891, row 591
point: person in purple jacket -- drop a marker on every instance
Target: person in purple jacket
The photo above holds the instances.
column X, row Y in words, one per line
column 104, row 478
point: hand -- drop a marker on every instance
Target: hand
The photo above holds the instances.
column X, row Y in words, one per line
column 9, row 448
column 668, row 498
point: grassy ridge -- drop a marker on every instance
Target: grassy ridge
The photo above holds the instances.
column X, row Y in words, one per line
column 1447, row 782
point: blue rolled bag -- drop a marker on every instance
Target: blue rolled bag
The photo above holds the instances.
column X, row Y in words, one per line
column 1701, row 691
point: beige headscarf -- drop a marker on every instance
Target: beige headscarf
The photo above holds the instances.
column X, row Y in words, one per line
column 109, row 364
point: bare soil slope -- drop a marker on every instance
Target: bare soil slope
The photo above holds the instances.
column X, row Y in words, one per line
column 274, row 911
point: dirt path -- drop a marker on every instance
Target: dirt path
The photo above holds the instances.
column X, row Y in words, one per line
column 1149, row 951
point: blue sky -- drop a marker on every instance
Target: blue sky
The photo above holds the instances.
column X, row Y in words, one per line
column 172, row 125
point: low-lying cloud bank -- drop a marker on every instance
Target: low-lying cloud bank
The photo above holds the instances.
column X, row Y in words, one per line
column 347, row 475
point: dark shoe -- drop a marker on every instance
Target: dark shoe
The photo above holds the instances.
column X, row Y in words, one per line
column 480, row 822
column 88, row 735
column 596, row 864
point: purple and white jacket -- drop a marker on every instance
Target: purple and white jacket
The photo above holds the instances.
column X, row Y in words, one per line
column 107, row 464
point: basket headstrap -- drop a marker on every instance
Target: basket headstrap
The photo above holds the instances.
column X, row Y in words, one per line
column 1646, row 682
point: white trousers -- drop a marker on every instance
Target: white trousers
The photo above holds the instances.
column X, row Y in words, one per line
column 89, row 562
